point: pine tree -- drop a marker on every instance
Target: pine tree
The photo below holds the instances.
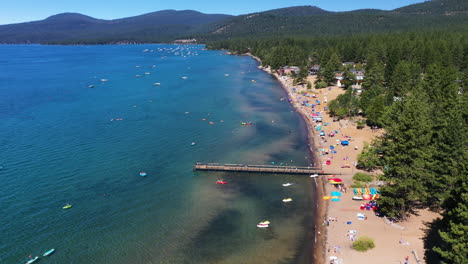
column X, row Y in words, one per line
column 448, row 135
column 407, row 153
column 454, row 246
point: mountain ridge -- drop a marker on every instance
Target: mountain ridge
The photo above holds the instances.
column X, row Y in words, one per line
column 168, row 25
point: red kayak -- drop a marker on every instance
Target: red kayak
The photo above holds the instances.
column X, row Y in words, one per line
column 221, row 182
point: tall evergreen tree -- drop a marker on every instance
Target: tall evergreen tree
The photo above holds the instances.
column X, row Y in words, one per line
column 448, row 131
column 407, row 153
column 454, row 246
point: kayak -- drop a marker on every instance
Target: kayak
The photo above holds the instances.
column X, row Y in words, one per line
column 67, row 206
column 49, row 252
column 221, row 182
column 143, row 174
column 287, row 200
column 32, row 260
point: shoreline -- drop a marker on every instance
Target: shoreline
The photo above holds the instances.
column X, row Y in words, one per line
column 335, row 220
column 318, row 245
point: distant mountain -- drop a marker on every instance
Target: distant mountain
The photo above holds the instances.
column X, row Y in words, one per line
column 443, row 7
column 309, row 21
column 297, row 11
column 167, row 25
column 73, row 28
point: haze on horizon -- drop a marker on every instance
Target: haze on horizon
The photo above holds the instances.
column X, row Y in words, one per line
column 31, row 10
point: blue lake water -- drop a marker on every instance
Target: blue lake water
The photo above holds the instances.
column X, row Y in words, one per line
column 63, row 142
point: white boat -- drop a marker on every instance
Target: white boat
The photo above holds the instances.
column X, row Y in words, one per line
column 262, row 225
column 91, row 86
column 226, row 74
column 287, row 184
column 193, row 144
column 287, row 200
column 32, row 260
column 49, row 252
column 357, row 198
column 147, row 73
column 157, row 84
column 185, row 77
column 104, row 80
column 314, row 175
column 143, row 174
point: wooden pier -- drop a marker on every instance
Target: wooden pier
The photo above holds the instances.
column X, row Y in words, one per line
column 260, row 168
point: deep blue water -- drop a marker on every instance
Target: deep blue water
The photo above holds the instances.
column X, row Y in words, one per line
column 62, row 142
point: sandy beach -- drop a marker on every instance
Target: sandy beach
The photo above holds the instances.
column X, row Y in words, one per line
column 394, row 243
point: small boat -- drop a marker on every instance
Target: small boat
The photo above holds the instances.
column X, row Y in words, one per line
column 185, row 77
column 287, row 200
column 193, row 144
column 147, row 73
column 287, row 184
column 49, row 252
column 32, row 260
column 263, row 224
column 221, row 182
column 143, row 174
column 91, row 86
column 254, row 81
column 226, row 74
column 67, row 206
column 104, row 80
column 138, row 75
column 157, row 84
column 314, row 175
column 358, row 198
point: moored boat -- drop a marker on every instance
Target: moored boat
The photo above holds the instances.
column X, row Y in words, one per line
column 143, row 174
column 49, row 252
column 32, row 260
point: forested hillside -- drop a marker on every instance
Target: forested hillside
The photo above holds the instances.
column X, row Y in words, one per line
column 437, row 14
column 72, row 28
column 299, row 21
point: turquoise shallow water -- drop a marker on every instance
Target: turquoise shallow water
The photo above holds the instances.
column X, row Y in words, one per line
column 62, row 142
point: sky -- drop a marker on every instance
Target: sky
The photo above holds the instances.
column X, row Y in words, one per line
column 16, row 11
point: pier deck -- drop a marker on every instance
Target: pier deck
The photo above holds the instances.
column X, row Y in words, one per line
column 260, row 168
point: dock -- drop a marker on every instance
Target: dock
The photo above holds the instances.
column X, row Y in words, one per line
column 260, row 168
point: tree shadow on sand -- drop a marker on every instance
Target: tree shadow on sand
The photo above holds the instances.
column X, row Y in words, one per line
column 432, row 239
